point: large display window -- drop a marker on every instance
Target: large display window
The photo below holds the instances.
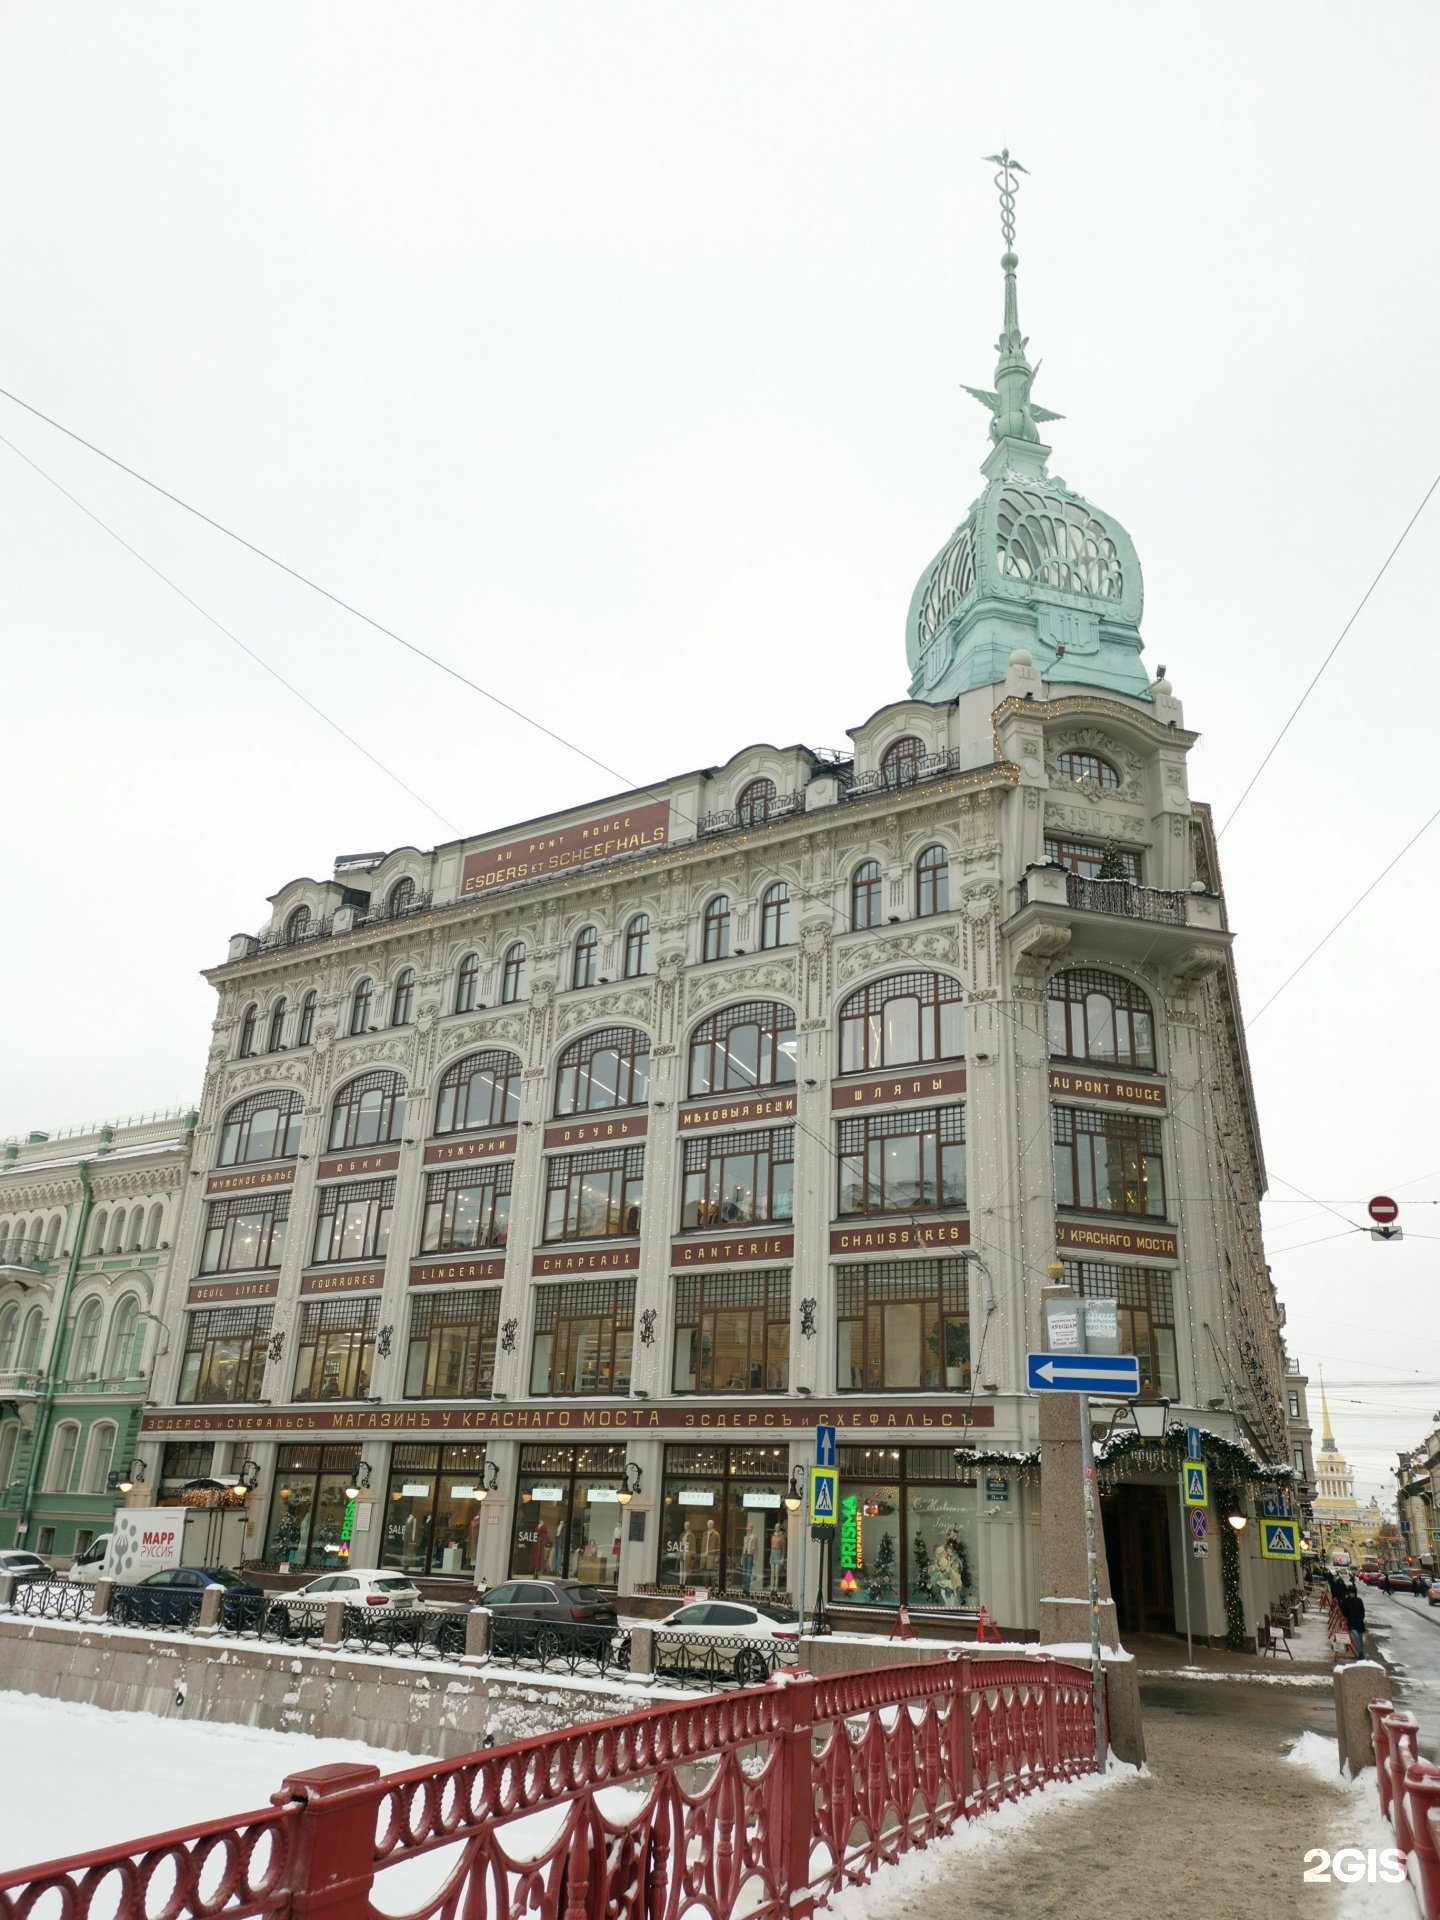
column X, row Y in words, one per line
column 312, row 1518
column 433, row 1509
column 907, row 1529
column 723, row 1520
column 568, row 1514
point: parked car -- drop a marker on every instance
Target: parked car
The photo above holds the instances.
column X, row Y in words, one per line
column 545, row 1619
column 24, row 1566
column 706, row 1640
column 393, row 1591
column 85, row 1567
column 171, row 1598
column 1433, row 1596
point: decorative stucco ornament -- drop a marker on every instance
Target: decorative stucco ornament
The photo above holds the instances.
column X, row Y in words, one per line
column 1032, row 566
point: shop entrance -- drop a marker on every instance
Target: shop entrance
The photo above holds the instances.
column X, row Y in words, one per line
column 1137, row 1545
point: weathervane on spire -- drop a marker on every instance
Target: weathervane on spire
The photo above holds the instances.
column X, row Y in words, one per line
column 1014, row 416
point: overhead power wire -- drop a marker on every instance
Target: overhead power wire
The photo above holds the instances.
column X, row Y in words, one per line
column 325, row 593
column 259, row 659
column 1323, row 664
column 1343, row 918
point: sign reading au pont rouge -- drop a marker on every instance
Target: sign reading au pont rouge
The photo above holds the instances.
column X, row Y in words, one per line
column 1117, row 1087
column 529, row 856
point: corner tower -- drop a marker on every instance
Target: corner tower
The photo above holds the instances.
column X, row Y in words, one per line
column 1032, row 565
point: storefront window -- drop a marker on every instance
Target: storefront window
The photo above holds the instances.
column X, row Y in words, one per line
column 466, row 1208
column 433, row 1509
column 903, row 1325
column 901, row 1162
column 739, row 1179
column 1108, row 1162
column 336, row 1349
column 354, row 1221
column 723, row 1520
column 907, row 1529
column 1145, row 1309
column 224, row 1356
column 568, row 1514
column 583, row 1335
column 245, row 1234
column 589, row 1196
column 732, row 1332
column 312, row 1520
column 451, row 1353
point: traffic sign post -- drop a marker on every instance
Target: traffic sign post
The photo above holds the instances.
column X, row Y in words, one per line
column 825, row 1446
column 823, row 1508
column 1108, row 1376
column 1280, row 1539
column 1384, row 1212
column 1192, row 1444
column 1194, row 1479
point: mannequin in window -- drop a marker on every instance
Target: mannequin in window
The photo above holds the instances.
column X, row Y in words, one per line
column 749, row 1554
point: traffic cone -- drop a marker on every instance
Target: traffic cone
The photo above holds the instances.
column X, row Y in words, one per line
column 986, row 1629
column 902, row 1629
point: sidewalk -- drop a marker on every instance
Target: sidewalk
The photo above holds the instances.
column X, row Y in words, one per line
column 1215, row 1829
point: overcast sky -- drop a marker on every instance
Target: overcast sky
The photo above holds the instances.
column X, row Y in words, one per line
column 614, row 354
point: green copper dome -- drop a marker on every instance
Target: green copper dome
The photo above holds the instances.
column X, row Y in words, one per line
column 1032, row 564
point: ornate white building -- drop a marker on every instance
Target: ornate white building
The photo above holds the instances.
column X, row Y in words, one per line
column 612, row 1150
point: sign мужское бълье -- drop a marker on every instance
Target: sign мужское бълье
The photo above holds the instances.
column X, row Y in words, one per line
column 527, row 857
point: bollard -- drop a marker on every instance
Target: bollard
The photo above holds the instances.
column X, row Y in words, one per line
column 334, row 1631
column 208, row 1620
column 642, row 1653
column 1357, row 1687
column 100, row 1599
column 7, row 1591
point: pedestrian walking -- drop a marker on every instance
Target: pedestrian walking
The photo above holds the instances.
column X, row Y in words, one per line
column 1352, row 1607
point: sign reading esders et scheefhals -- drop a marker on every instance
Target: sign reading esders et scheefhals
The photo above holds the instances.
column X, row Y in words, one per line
column 533, row 855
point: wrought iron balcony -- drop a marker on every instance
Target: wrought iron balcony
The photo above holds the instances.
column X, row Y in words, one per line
column 1126, row 898
column 727, row 819
column 23, row 1257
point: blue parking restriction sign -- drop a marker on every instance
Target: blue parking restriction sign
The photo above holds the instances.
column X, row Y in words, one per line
column 1197, row 1494
column 824, row 1496
column 1280, row 1539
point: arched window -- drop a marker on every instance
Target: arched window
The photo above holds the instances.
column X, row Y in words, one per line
column 360, row 1005
column 98, row 1456
column 137, row 1230
column 865, row 907
column 587, row 958
column 402, row 896
column 900, row 764
column 368, row 1112
column 86, row 1354
column 637, row 947
column 97, row 1232
column 277, row 1026
column 52, row 1238
column 750, row 1045
column 31, row 1339
column 117, row 1231
column 247, row 1032
column 157, row 1220
column 63, row 1449
column 402, row 1007
column 717, row 929
column 932, row 882
column 306, row 1031
column 482, row 1090
column 752, row 809
column 9, row 1341
column 607, row 1069
column 4, row 1238
column 512, row 974
column 297, row 925
column 904, row 1020
column 263, row 1126
column 9, row 1444
column 1075, row 766
column 1100, row 1016
column 775, row 915
column 467, row 984
column 122, row 1362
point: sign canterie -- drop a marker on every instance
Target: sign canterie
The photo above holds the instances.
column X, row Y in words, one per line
column 536, row 854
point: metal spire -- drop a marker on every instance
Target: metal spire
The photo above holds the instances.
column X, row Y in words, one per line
column 1327, row 1438
column 1014, row 416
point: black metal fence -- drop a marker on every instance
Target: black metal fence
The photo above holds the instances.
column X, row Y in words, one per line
column 719, row 1660
column 52, row 1599
column 567, row 1646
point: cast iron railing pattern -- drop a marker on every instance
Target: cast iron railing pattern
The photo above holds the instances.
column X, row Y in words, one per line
column 1125, row 898
column 52, row 1599
column 773, row 1798
column 720, row 1660
column 569, row 1646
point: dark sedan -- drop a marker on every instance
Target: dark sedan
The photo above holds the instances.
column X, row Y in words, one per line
column 545, row 1617
column 172, row 1598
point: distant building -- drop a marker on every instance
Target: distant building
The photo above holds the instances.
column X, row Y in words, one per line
column 87, row 1221
column 1418, row 1474
column 1300, row 1437
column 1335, row 1508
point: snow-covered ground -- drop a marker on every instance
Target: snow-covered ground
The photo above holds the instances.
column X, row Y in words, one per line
column 73, row 1778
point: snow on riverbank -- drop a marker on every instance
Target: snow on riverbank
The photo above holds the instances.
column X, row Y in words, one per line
column 73, row 1777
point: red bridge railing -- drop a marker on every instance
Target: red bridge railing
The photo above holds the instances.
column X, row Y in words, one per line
column 763, row 1802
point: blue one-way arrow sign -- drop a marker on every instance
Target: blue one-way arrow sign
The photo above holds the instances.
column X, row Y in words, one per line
column 1101, row 1373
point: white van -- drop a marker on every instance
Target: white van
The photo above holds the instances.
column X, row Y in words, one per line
column 86, row 1567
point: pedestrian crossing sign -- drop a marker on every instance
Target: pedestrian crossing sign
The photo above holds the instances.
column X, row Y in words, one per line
column 1280, row 1539
column 1197, row 1494
column 824, row 1490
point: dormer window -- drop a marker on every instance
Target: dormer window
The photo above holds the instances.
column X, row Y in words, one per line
column 402, row 896
column 900, row 766
column 297, row 926
column 1079, row 767
column 752, row 809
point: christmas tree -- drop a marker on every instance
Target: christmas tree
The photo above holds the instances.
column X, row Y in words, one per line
column 1112, row 866
column 920, row 1567
column 882, row 1574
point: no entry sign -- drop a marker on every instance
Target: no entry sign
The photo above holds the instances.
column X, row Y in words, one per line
column 1382, row 1210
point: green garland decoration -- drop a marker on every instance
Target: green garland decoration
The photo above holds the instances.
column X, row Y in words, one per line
column 1234, row 1461
column 1230, row 1586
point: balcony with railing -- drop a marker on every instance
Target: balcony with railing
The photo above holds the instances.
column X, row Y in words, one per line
column 1054, row 907
column 1161, row 904
column 24, row 1258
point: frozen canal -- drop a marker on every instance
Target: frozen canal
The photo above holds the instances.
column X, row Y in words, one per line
column 73, row 1777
